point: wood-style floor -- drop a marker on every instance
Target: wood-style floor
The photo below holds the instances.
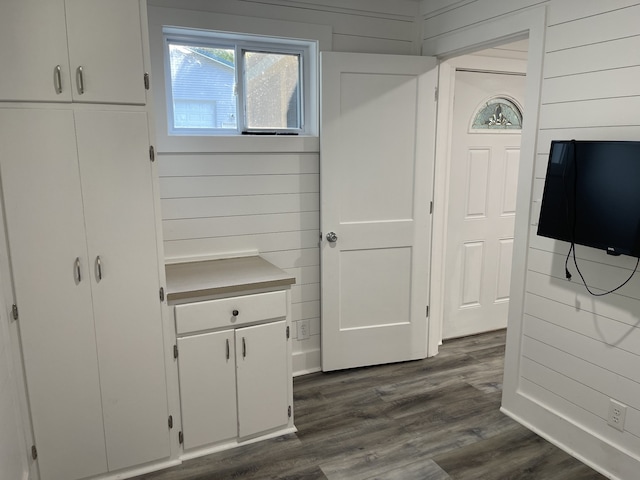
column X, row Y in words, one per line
column 433, row 419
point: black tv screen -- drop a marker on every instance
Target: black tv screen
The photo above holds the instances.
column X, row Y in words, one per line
column 592, row 195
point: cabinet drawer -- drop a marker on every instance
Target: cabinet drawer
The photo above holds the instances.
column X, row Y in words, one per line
column 213, row 314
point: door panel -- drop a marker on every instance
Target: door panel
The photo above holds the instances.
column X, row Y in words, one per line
column 117, row 191
column 208, row 388
column 388, row 115
column 44, row 215
column 34, row 42
column 261, row 358
column 382, row 308
column 504, row 269
column 377, row 121
column 481, row 210
column 104, row 39
column 477, row 175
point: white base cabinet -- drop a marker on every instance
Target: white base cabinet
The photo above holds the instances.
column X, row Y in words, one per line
column 235, row 383
column 261, row 357
column 207, row 369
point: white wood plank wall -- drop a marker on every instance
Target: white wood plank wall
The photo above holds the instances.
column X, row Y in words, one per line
column 214, row 202
column 577, row 351
column 225, row 203
column 366, row 26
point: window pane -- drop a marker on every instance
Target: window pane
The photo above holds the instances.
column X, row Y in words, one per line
column 498, row 113
column 203, row 87
column 272, row 91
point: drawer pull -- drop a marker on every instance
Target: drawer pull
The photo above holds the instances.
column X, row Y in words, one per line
column 244, row 348
column 80, row 79
column 235, row 313
column 57, row 76
column 78, row 274
column 98, row 268
column 227, row 349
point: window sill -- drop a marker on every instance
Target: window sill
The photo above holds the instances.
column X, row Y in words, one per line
column 238, row 143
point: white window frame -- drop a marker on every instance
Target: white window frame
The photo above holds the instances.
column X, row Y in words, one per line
column 305, row 49
column 162, row 17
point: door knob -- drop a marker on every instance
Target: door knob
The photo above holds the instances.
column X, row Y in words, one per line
column 332, row 237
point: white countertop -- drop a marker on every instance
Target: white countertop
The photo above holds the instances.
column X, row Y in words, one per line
column 213, row 277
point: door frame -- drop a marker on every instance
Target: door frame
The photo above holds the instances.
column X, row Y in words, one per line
column 446, row 82
column 532, row 24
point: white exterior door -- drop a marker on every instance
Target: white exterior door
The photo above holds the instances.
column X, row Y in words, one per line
column 481, row 210
column 377, row 146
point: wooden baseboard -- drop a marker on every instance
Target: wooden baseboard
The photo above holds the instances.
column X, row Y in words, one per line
column 306, row 362
column 578, row 441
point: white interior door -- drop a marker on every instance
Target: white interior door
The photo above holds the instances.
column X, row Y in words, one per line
column 376, row 149
column 481, row 210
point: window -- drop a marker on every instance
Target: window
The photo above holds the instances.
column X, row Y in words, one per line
column 229, row 84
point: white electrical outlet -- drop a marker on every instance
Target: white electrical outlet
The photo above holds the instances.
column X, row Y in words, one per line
column 303, row 329
column 617, row 414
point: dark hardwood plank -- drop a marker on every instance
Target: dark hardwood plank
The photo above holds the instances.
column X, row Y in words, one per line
column 433, row 419
column 516, row 453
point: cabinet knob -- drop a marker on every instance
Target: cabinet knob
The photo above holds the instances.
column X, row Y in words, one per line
column 235, row 313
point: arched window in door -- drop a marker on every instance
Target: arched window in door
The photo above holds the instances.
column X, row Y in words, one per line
column 497, row 113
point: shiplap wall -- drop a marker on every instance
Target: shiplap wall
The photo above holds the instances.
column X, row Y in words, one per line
column 577, row 351
column 241, row 199
column 367, row 26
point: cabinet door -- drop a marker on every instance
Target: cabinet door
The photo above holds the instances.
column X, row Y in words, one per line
column 261, row 356
column 44, row 217
column 208, row 388
column 115, row 171
column 105, row 40
column 33, row 43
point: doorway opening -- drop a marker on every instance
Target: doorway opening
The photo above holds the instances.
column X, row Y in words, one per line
column 491, row 34
column 486, row 105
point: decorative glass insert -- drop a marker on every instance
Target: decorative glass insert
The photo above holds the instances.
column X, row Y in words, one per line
column 498, row 114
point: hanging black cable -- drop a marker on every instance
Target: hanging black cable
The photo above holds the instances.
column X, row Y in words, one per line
column 575, row 262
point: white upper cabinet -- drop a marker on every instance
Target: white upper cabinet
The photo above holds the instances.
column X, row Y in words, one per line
column 75, row 50
column 33, row 51
column 105, row 51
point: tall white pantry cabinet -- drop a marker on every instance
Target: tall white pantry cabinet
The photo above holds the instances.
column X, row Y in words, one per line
column 79, row 208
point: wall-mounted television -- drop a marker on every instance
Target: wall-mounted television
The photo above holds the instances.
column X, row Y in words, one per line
column 592, row 195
